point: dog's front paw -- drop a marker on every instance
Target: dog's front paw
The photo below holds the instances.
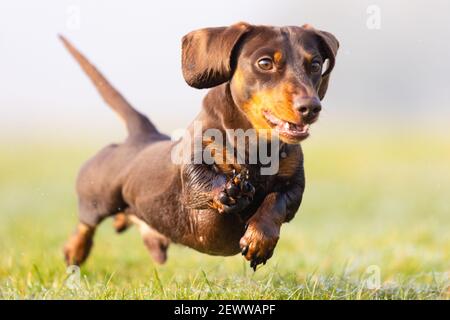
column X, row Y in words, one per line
column 259, row 241
column 236, row 195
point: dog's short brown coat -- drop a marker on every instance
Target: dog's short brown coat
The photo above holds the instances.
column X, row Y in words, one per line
column 189, row 203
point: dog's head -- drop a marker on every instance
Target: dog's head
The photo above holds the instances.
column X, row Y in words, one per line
column 277, row 76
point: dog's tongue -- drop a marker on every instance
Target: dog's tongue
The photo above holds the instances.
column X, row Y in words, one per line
column 285, row 126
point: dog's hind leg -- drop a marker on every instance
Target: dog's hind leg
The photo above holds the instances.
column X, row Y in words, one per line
column 79, row 245
column 121, row 222
column 155, row 242
column 77, row 248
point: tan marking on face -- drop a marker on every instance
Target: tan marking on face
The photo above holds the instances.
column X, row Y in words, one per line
column 277, row 56
column 277, row 101
column 307, row 56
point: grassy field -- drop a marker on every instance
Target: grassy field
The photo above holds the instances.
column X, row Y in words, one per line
column 372, row 204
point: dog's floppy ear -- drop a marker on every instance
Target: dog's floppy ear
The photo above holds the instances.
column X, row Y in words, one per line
column 207, row 54
column 330, row 46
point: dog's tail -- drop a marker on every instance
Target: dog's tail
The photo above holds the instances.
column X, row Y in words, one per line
column 137, row 124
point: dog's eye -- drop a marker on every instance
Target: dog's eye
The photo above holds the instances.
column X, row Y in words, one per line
column 316, row 67
column 265, row 64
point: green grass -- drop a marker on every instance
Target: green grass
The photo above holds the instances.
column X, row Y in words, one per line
column 369, row 202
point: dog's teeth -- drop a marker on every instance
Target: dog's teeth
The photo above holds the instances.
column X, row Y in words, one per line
column 286, row 125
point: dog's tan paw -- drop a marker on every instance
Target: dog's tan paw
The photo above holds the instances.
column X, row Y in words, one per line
column 121, row 222
column 79, row 245
column 259, row 241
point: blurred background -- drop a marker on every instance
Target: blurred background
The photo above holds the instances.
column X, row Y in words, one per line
column 377, row 163
column 391, row 72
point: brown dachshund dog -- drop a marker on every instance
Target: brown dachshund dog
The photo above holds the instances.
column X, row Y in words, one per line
column 269, row 79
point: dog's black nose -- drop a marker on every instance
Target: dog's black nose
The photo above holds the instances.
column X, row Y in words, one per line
column 308, row 107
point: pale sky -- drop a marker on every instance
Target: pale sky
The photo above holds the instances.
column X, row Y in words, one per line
column 396, row 73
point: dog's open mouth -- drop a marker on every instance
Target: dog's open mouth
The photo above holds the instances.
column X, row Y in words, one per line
column 292, row 131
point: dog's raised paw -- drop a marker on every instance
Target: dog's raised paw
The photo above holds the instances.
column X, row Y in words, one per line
column 237, row 193
column 259, row 241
